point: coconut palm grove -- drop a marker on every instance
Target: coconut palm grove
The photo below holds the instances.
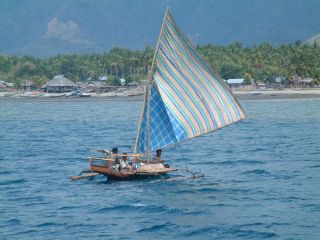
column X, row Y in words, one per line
column 263, row 62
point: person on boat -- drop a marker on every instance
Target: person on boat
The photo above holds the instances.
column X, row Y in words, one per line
column 114, row 151
column 110, row 155
column 157, row 157
column 124, row 162
column 114, row 156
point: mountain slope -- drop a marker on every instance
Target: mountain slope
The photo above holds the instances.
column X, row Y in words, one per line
column 314, row 39
column 45, row 28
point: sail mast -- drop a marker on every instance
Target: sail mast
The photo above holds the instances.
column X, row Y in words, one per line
column 148, row 123
column 147, row 95
column 149, row 87
column 140, row 122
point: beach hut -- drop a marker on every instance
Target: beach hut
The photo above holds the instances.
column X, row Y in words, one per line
column 82, row 85
column 59, row 84
column 96, row 86
column 29, row 86
column 260, row 85
column 235, row 82
column 3, row 85
column 277, row 84
column 298, row 81
column 306, row 82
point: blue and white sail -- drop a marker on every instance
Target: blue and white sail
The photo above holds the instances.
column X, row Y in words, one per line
column 186, row 98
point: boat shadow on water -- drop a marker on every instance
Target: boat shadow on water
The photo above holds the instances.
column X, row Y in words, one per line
column 148, row 179
column 151, row 178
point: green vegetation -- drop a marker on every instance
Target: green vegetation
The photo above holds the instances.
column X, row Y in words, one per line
column 263, row 62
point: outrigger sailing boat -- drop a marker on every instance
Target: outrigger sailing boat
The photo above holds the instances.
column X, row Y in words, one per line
column 184, row 99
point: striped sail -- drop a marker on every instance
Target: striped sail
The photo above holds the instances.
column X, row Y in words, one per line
column 187, row 98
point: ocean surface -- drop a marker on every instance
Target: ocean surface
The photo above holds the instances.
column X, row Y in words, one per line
column 262, row 175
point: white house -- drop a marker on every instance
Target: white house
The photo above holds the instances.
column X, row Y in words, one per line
column 235, row 82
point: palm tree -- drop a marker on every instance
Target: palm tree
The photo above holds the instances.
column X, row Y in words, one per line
column 147, row 58
column 133, row 61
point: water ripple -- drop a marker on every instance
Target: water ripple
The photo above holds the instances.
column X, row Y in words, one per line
column 261, row 175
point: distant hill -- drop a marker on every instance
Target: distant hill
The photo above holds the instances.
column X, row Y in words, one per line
column 45, row 28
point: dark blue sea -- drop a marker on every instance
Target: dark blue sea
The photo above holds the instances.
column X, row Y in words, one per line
column 262, row 175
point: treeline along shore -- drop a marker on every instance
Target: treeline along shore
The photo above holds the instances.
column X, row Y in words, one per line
column 263, row 63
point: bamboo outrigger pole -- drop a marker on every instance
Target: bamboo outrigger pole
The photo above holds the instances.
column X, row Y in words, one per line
column 147, row 95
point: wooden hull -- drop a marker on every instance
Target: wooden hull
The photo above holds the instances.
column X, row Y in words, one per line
column 126, row 176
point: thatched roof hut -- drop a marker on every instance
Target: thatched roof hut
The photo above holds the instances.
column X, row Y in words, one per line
column 98, row 86
column 82, row 85
column 59, row 84
column 29, row 85
column 2, row 85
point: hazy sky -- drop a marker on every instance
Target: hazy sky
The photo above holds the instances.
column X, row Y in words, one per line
column 47, row 27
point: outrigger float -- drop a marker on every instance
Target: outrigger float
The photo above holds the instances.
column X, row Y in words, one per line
column 184, row 98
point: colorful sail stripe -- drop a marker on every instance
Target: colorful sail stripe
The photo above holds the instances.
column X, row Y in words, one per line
column 178, row 108
column 187, row 76
column 187, row 98
column 220, row 99
column 197, row 67
column 198, row 59
column 202, row 88
column 195, row 106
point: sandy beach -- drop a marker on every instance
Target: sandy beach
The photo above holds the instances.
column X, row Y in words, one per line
column 279, row 94
column 132, row 95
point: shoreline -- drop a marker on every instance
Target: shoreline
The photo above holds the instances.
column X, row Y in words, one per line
column 251, row 95
column 287, row 93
